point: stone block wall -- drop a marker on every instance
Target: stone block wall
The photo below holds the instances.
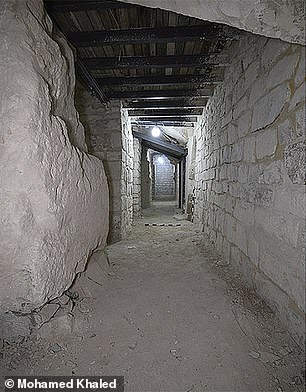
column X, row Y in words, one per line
column 146, row 179
column 54, row 196
column 127, row 174
column 164, row 184
column 137, row 178
column 103, row 129
column 109, row 137
column 250, row 172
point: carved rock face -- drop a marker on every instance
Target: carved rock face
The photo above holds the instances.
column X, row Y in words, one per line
column 54, row 198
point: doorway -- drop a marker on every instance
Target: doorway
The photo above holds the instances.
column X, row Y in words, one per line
column 164, row 179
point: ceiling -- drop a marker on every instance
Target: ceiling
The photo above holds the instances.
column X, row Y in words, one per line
column 162, row 65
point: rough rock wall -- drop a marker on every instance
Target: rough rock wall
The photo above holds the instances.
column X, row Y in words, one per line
column 250, row 172
column 54, row 197
column 103, row 128
column 284, row 19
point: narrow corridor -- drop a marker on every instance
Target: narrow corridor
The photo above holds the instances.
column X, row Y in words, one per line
column 167, row 314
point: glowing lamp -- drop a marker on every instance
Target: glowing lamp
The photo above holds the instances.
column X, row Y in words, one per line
column 155, row 131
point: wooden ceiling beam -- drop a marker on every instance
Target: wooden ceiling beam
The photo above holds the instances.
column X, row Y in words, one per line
column 162, row 146
column 198, row 61
column 198, row 79
column 58, row 6
column 159, row 104
column 211, row 32
column 159, row 94
column 84, row 74
column 90, row 81
column 182, row 124
column 186, row 119
column 164, row 112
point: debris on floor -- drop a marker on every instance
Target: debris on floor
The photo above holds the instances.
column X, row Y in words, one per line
column 165, row 315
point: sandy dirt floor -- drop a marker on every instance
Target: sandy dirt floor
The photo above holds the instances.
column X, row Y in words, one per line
column 161, row 309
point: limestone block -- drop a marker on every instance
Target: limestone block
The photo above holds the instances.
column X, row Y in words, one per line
column 230, row 228
column 252, row 72
column 291, row 200
column 226, row 250
column 260, row 196
column 269, row 107
column 232, row 134
column 243, row 124
column 283, row 70
column 244, row 212
column 255, row 171
column 230, row 204
column 266, row 143
column 300, row 118
column 226, row 154
column 241, row 106
column 235, row 256
column 300, row 73
column 276, row 298
column 241, row 238
column 54, row 206
column 271, row 174
column 232, row 173
column 223, row 173
column 237, row 151
column 285, row 132
column 249, row 149
column 238, row 93
column 243, row 173
column 284, row 265
column 253, row 251
column 116, row 139
column 273, row 50
column 283, row 226
column 295, row 162
column 298, row 96
column 113, row 156
column 223, row 139
column 225, row 188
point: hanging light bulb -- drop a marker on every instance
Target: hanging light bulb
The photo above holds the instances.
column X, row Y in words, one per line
column 160, row 160
column 155, row 131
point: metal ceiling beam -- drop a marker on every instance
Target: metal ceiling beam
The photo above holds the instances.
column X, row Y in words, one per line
column 211, row 32
column 159, row 80
column 160, row 94
column 57, row 6
column 160, row 104
column 190, row 119
column 201, row 61
column 164, row 112
column 164, row 147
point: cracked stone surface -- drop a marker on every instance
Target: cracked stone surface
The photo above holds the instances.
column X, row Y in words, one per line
column 283, row 19
column 54, row 198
